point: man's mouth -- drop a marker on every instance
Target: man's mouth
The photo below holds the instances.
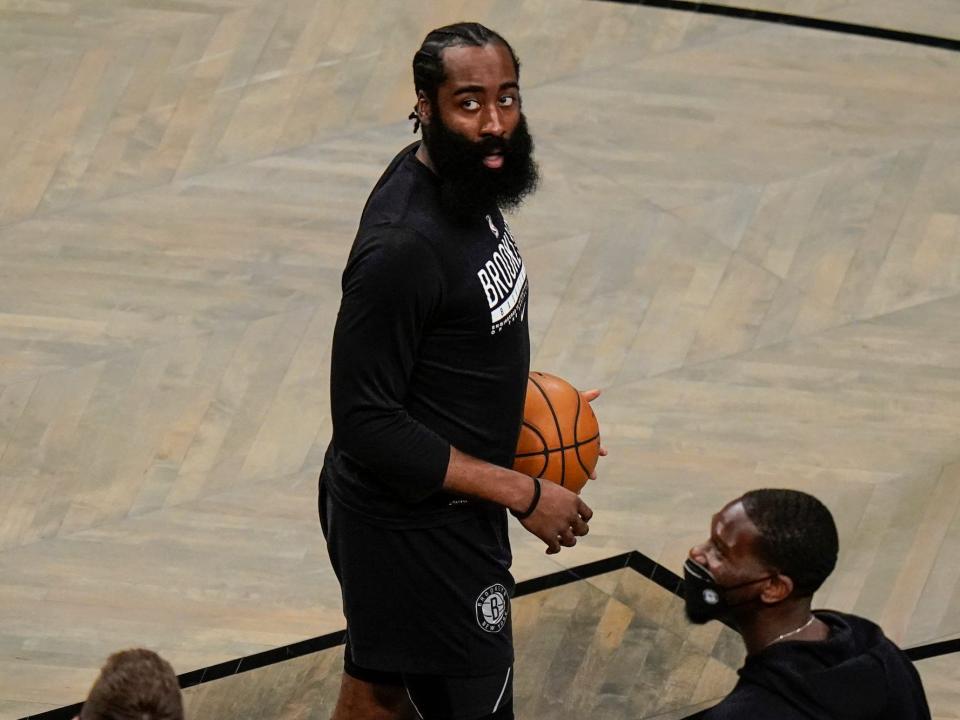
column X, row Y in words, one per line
column 494, row 161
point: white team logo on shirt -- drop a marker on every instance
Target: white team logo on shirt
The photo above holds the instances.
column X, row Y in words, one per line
column 493, row 605
column 504, row 281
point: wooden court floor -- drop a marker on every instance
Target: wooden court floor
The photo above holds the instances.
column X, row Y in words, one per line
column 748, row 234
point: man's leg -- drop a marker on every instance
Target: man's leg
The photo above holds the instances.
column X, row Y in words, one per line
column 370, row 694
column 483, row 697
column 363, row 700
column 383, row 575
column 364, row 694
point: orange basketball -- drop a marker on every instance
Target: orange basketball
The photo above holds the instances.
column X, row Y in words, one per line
column 560, row 436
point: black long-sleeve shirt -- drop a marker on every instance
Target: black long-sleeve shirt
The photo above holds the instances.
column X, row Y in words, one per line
column 430, row 349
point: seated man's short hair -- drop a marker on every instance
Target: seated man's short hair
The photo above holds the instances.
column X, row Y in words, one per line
column 797, row 536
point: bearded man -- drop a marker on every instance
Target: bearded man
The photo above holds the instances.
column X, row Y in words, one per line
column 429, row 370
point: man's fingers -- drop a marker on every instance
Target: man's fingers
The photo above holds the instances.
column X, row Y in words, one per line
column 591, row 395
column 584, row 511
column 560, row 518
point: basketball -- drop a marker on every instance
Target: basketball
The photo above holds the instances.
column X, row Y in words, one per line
column 560, row 437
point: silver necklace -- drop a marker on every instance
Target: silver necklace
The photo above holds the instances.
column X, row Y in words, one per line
column 803, row 627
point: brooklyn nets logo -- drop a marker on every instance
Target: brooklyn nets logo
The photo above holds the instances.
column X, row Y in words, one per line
column 492, row 608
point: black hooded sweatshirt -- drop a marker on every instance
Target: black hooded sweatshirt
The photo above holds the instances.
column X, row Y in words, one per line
column 855, row 674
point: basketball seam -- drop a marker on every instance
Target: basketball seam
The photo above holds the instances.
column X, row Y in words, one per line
column 543, row 441
column 576, row 441
column 547, row 451
column 556, row 422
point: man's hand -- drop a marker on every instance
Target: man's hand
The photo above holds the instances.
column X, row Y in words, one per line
column 559, row 518
column 590, row 396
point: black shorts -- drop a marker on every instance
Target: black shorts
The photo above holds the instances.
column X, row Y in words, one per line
column 424, row 601
column 438, row 697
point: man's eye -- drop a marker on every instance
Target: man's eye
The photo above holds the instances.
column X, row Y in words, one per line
column 507, row 100
column 471, row 104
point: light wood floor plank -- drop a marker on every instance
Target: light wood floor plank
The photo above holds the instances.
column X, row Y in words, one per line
column 747, row 234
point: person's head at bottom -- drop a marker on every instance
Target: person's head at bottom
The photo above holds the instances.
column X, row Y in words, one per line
column 768, row 552
column 134, row 684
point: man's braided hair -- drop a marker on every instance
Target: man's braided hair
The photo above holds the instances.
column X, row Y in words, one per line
column 428, row 72
column 797, row 536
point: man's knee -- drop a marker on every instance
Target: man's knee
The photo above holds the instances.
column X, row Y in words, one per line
column 364, row 700
column 479, row 697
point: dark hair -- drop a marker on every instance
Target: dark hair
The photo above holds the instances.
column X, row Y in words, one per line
column 428, row 72
column 134, row 685
column 797, row 535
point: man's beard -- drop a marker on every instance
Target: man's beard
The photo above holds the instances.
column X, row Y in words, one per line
column 468, row 188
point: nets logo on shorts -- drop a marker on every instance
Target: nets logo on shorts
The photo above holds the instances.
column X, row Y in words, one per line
column 493, row 604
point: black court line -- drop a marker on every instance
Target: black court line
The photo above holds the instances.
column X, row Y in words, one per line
column 934, row 649
column 574, row 574
column 779, row 18
column 635, row 560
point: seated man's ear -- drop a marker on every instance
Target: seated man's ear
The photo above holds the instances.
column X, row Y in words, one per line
column 777, row 588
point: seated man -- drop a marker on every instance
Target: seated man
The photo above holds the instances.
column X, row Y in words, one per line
column 768, row 552
column 134, row 685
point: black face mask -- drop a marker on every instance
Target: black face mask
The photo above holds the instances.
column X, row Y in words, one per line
column 704, row 600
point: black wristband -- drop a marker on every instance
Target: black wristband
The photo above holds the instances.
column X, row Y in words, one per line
column 533, row 503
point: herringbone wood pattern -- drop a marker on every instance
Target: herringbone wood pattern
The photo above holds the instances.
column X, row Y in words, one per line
column 749, row 235
column 615, row 646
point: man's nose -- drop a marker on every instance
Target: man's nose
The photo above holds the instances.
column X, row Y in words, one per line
column 492, row 122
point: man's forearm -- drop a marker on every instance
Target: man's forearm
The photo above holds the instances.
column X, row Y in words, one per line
column 560, row 516
column 468, row 475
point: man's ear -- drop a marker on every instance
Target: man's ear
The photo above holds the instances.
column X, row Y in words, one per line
column 424, row 108
column 777, row 588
